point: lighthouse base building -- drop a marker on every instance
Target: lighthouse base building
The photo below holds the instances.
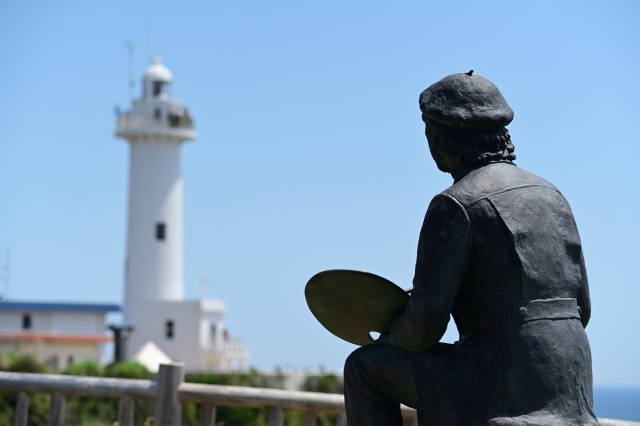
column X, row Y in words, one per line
column 164, row 325
column 192, row 332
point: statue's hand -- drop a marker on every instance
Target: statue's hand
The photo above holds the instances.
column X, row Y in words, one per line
column 383, row 338
column 385, row 328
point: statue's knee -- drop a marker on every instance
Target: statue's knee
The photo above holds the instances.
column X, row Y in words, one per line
column 356, row 363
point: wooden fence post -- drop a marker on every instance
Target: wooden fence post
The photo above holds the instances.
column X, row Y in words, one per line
column 207, row 414
column 342, row 419
column 276, row 416
column 168, row 407
column 310, row 419
column 56, row 409
column 22, row 409
column 126, row 411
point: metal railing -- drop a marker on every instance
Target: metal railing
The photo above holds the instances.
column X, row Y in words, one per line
column 170, row 391
column 129, row 121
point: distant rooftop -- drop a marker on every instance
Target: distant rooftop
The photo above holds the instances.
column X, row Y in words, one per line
column 56, row 307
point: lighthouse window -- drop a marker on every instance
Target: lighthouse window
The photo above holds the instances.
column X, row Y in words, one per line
column 168, row 329
column 161, row 231
column 26, row 322
column 157, row 88
column 157, row 113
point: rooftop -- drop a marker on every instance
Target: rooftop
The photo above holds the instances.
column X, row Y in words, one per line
column 30, row 336
column 57, row 307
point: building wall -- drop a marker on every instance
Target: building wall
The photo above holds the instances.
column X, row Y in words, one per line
column 230, row 356
column 152, row 317
column 59, row 322
column 78, row 323
column 46, row 338
column 212, row 330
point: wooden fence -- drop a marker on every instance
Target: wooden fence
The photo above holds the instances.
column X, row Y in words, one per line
column 170, row 391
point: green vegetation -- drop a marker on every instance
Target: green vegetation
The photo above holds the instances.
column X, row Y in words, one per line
column 93, row 411
column 104, row 411
column 232, row 416
column 80, row 409
column 21, row 364
column 327, row 383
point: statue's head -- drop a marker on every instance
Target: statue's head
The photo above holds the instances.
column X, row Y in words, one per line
column 465, row 117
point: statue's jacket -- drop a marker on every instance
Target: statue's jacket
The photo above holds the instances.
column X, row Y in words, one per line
column 500, row 251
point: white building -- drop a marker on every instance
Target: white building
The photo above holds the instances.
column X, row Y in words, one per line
column 58, row 334
column 192, row 332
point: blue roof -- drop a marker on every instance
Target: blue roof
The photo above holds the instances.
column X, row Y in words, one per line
column 56, row 307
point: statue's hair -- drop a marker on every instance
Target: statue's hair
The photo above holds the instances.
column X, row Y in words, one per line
column 464, row 146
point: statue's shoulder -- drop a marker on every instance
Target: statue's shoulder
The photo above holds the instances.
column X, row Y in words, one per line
column 494, row 179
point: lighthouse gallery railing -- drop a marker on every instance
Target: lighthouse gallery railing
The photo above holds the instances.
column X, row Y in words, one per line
column 127, row 121
column 170, row 391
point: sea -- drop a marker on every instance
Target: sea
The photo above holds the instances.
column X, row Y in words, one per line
column 617, row 403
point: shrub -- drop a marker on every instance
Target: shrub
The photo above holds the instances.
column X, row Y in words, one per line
column 86, row 368
column 127, row 370
column 21, row 364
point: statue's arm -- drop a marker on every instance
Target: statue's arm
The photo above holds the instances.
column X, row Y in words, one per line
column 584, row 301
column 440, row 267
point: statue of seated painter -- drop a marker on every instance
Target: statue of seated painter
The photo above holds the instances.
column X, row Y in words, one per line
column 499, row 251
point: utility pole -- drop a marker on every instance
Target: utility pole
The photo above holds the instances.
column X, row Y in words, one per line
column 132, row 81
column 5, row 270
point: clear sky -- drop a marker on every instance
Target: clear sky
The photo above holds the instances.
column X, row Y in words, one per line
column 311, row 153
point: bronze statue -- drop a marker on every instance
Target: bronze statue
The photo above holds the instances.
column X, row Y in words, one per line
column 499, row 251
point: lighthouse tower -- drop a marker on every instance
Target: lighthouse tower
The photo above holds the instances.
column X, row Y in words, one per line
column 155, row 128
column 192, row 332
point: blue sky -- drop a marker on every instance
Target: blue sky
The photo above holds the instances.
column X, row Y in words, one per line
column 311, row 153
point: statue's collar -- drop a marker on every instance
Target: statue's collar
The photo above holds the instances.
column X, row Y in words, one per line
column 465, row 170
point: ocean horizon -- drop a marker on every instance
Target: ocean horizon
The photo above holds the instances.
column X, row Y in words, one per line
column 617, row 402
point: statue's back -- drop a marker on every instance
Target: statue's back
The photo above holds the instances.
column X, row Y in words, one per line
column 524, row 357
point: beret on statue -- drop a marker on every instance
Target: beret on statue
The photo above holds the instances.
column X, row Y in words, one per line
column 466, row 100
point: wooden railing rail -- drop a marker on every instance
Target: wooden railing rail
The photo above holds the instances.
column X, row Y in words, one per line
column 260, row 397
column 77, row 385
column 170, row 391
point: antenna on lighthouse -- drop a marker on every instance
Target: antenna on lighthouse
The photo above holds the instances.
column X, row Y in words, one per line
column 149, row 47
column 132, row 81
column 204, row 280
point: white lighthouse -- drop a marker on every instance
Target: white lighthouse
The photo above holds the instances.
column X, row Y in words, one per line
column 155, row 128
column 189, row 331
